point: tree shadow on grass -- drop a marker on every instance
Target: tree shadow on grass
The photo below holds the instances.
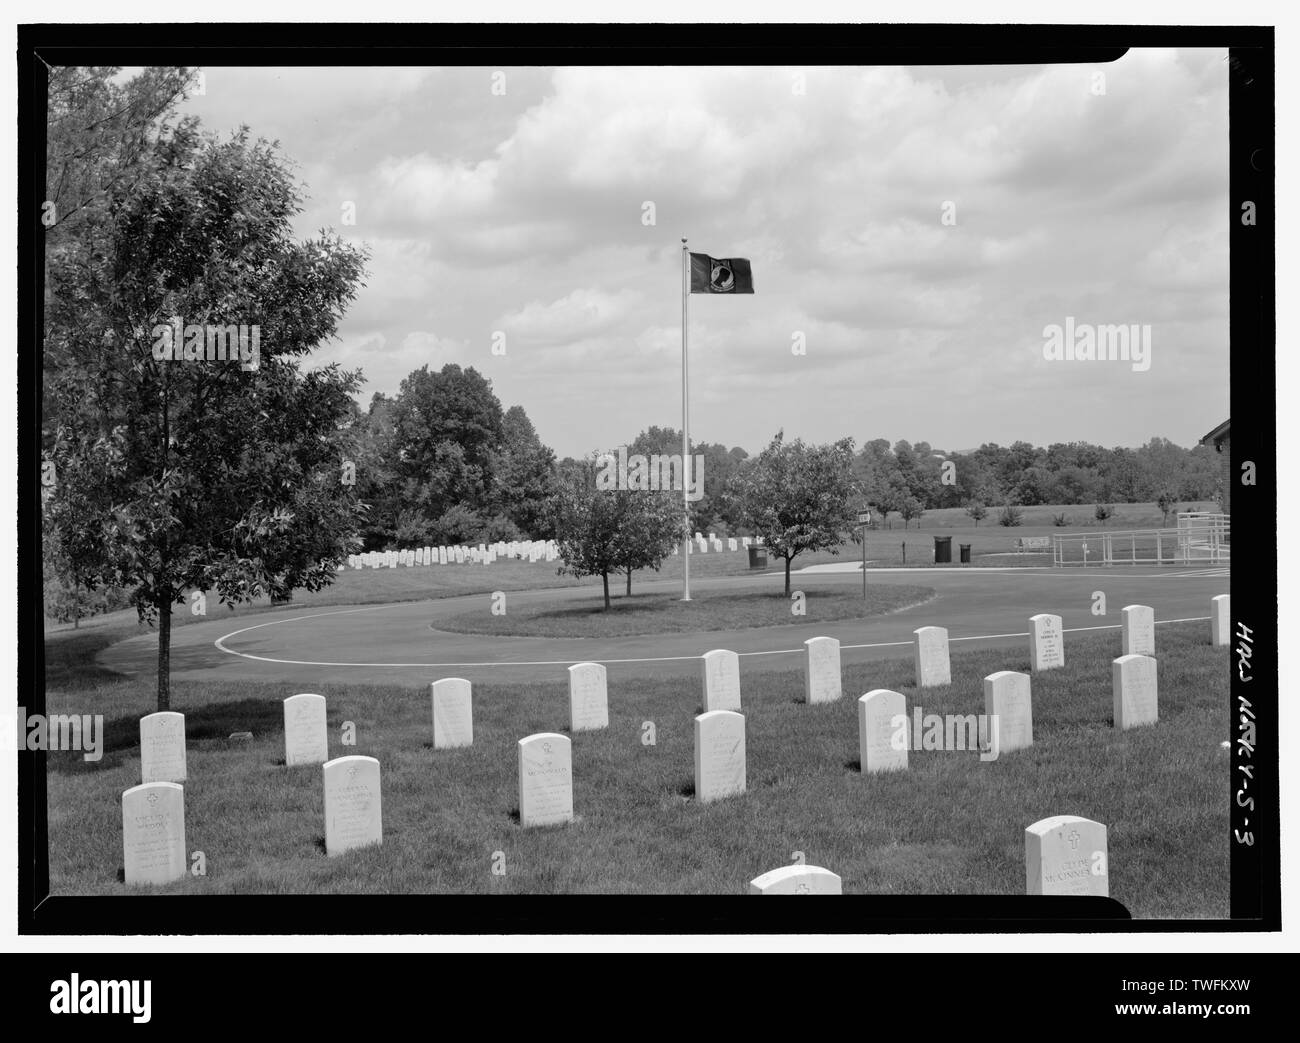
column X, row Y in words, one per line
column 204, row 724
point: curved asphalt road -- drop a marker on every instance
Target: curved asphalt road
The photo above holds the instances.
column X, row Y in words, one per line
column 400, row 643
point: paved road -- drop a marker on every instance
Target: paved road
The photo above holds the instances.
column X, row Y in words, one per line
column 400, row 643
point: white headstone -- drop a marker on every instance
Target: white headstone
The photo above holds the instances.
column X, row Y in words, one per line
column 796, row 880
column 453, row 713
column 744, row 542
column 719, row 755
column 1066, row 855
column 1009, row 706
column 588, row 697
column 731, row 543
column 442, row 555
column 353, row 813
column 1220, row 620
column 1139, row 630
column 721, row 680
column 545, row 779
column 153, row 833
column 162, row 747
column 821, row 675
column 930, row 655
column 1046, row 642
column 1133, row 689
column 882, row 731
column 306, row 740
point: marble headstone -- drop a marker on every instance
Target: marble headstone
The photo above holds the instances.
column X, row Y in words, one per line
column 930, row 655
column 453, row 713
column 588, row 697
column 353, row 813
column 821, row 682
column 162, row 747
column 719, row 755
column 153, row 833
column 1220, row 620
column 1138, row 629
column 1046, row 642
column 305, row 736
column 545, row 779
column 796, row 880
column 1007, row 702
column 721, row 680
column 882, row 731
column 1133, row 689
column 1066, row 855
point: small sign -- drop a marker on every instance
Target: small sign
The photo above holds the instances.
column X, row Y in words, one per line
column 864, row 517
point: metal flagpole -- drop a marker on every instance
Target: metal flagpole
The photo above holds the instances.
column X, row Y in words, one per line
column 686, row 437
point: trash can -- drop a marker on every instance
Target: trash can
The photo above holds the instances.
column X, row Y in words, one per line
column 965, row 553
column 943, row 550
column 757, row 557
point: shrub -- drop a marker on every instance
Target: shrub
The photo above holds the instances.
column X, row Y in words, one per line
column 1009, row 515
column 1060, row 520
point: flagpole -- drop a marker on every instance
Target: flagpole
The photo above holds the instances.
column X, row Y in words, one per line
column 686, row 437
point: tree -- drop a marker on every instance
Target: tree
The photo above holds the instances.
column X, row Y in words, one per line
column 522, row 476
column 798, row 497
column 198, row 473
column 651, row 524
column 910, row 509
column 1167, row 501
column 1103, row 511
column 977, row 511
column 587, row 523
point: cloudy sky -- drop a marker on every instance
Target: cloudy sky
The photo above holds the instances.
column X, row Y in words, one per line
column 514, row 200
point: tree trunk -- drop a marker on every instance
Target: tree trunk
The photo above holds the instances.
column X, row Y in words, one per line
column 787, row 576
column 629, row 582
column 605, row 579
column 76, row 605
column 164, row 653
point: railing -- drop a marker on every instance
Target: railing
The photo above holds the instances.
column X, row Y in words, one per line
column 1195, row 543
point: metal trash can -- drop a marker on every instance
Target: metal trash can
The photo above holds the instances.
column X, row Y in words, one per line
column 965, row 553
column 757, row 557
column 943, row 550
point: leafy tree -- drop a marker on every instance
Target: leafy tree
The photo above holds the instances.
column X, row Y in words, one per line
column 1103, row 511
column 1167, row 501
column 977, row 511
column 651, row 524
column 587, row 522
column 199, row 474
column 910, row 509
column 798, row 497
column 522, row 478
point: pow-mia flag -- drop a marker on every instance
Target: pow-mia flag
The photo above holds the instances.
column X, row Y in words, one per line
column 720, row 275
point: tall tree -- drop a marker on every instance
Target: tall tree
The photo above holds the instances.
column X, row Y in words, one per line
column 799, row 498
column 198, row 473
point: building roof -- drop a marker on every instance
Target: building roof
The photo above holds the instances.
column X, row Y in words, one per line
column 1218, row 434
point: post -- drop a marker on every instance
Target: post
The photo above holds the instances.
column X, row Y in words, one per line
column 686, row 437
column 864, row 562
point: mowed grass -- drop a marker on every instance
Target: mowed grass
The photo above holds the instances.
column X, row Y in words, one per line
column 948, row 825
column 667, row 613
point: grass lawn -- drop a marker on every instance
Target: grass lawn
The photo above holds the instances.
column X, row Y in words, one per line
column 666, row 613
column 948, row 825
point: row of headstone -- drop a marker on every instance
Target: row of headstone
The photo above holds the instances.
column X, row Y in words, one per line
column 1064, row 855
column 1046, row 644
column 483, row 554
